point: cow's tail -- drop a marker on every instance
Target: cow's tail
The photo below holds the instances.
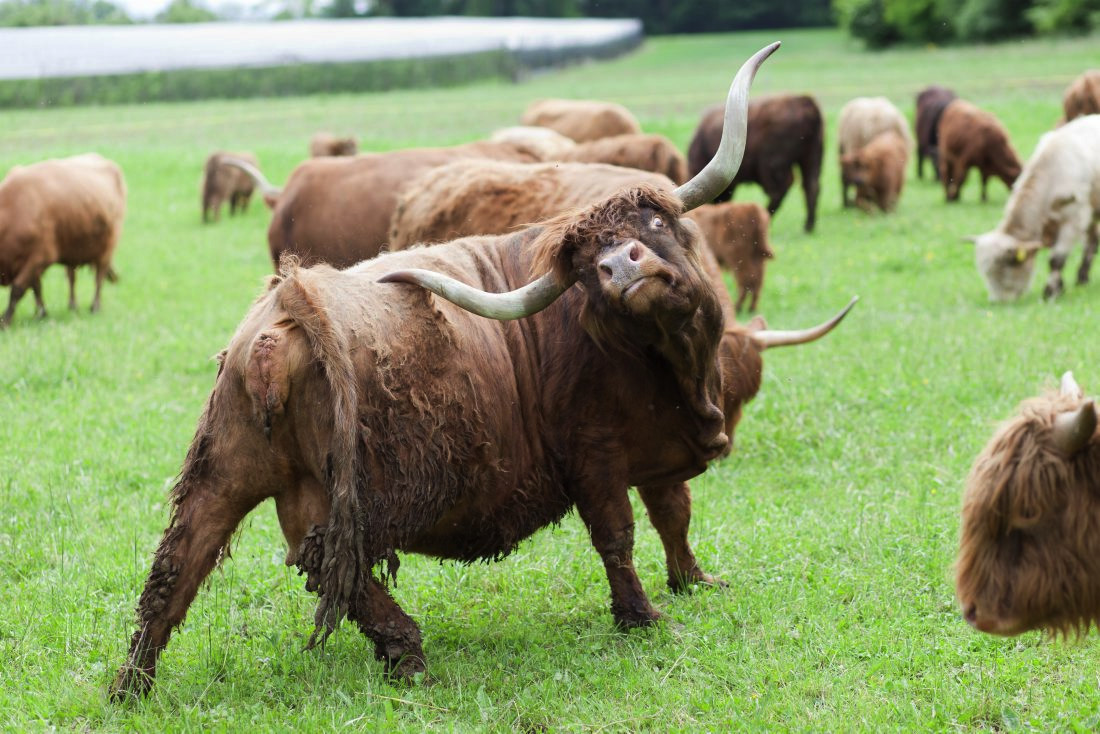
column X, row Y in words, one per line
column 344, row 561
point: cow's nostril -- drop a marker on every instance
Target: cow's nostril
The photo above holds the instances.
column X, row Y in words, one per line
column 606, row 269
column 635, row 252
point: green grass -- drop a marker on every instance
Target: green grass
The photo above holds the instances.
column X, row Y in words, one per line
column 835, row 520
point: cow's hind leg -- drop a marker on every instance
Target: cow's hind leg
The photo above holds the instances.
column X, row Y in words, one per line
column 1091, row 243
column 39, row 304
column 195, row 541
column 70, row 273
column 669, row 510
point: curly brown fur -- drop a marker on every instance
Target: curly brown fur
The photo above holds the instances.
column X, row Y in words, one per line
column 1029, row 552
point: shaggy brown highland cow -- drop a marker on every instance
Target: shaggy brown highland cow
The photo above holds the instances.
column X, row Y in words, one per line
column 1029, row 555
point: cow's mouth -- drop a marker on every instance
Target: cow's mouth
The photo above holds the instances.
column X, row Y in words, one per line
column 646, row 287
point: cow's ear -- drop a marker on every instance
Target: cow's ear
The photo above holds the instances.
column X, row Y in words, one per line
column 1022, row 252
column 555, row 248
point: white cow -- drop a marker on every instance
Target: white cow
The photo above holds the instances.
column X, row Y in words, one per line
column 1054, row 203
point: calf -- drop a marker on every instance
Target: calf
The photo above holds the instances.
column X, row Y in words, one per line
column 878, row 171
column 737, row 233
column 67, row 211
column 223, row 181
column 1029, row 549
column 973, row 138
column 861, row 121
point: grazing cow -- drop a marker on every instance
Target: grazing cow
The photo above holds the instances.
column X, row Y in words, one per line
column 784, row 131
column 580, row 119
column 1029, row 550
column 1082, row 96
column 382, row 418
column 737, row 233
column 654, row 153
column 1055, row 203
column 930, row 104
column 862, row 120
column 878, row 171
column 971, row 137
column 324, row 144
column 65, row 210
column 222, row 181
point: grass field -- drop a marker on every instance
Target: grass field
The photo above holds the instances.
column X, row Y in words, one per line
column 835, row 521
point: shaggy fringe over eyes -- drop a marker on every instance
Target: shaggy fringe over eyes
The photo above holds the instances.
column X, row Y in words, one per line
column 565, row 234
column 1018, row 482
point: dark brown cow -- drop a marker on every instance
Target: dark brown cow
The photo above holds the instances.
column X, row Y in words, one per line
column 67, row 211
column 931, row 102
column 1082, row 96
column 1029, row 552
column 223, row 182
column 654, row 153
column 338, row 210
column 973, row 138
column 581, row 119
column 323, row 144
column 878, row 171
column 784, row 131
column 737, row 233
column 382, row 418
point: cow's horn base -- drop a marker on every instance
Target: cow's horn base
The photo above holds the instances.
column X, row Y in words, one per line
column 525, row 301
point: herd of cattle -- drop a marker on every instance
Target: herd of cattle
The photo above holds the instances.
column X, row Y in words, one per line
column 413, row 283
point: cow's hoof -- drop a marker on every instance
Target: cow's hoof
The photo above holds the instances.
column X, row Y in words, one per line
column 1051, row 291
column 130, row 683
column 635, row 618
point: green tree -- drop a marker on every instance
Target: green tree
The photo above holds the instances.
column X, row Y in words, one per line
column 185, row 11
column 61, row 12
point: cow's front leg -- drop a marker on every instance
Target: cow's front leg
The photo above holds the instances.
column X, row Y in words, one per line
column 1059, row 254
column 669, row 510
column 610, row 521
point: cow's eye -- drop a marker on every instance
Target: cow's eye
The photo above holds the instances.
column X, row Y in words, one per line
column 657, row 222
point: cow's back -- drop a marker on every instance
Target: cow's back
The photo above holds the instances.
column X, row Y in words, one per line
column 582, row 120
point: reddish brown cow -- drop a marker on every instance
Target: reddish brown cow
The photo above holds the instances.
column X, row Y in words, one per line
column 338, row 210
column 581, row 119
column 1082, row 96
column 973, row 138
column 382, row 418
column 325, row 144
column 931, row 102
column 654, row 153
column 67, row 211
column 737, row 233
column 222, row 181
column 878, row 171
column 784, row 131
column 1029, row 552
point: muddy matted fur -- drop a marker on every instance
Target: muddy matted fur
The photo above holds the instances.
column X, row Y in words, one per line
column 973, row 138
column 65, row 210
column 1029, row 553
column 784, row 131
column 450, row 434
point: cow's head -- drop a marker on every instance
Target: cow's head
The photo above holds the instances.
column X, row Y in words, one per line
column 1029, row 554
column 1006, row 264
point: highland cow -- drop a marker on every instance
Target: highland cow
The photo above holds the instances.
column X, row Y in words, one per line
column 327, row 144
column 1029, row 549
column 737, row 233
column 222, row 181
column 581, row 120
column 654, row 153
column 383, row 418
column 878, row 171
column 973, row 138
column 931, row 102
column 784, row 131
column 1082, row 96
column 862, row 120
column 67, row 211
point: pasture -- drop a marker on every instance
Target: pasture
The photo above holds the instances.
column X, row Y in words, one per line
column 834, row 521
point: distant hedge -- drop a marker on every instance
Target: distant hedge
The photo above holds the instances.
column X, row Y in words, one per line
column 297, row 79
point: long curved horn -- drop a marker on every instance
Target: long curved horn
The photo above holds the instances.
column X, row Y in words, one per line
column 771, row 338
column 530, row 299
column 717, row 174
column 1073, row 429
column 266, row 187
column 1069, row 386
